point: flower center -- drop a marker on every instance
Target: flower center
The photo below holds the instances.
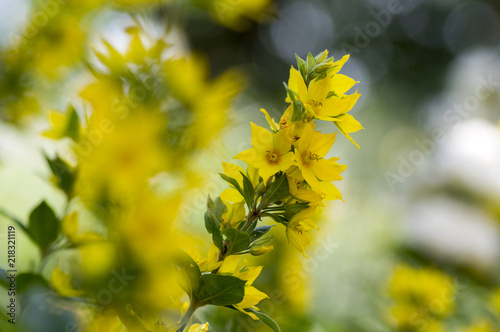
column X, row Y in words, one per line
column 271, row 155
column 298, row 229
column 284, row 124
column 310, row 157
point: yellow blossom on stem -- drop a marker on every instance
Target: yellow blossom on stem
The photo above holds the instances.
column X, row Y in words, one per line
column 297, row 228
column 270, row 153
column 309, row 155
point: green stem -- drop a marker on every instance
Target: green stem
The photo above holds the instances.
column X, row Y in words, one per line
column 187, row 317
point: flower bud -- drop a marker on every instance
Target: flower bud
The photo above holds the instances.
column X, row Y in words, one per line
column 257, row 251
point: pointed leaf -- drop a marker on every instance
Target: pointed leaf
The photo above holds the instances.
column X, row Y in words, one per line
column 265, row 319
column 277, row 191
column 237, row 241
column 222, row 290
column 43, row 225
column 259, row 232
column 248, row 191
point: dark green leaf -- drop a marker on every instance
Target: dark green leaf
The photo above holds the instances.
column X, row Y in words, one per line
column 292, row 209
column 236, row 240
column 213, row 218
column 277, row 191
column 259, row 232
column 248, row 191
column 190, row 270
column 73, row 127
column 277, row 217
column 63, row 173
column 43, row 225
column 26, row 280
column 222, row 290
column 265, row 319
column 232, row 182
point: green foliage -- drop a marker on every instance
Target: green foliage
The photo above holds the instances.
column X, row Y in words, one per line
column 259, row 232
column 26, row 280
column 43, row 225
column 265, row 319
column 190, row 271
column 222, row 290
column 248, row 191
column 213, row 218
column 73, row 126
column 236, row 241
column 63, row 173
column 277, row 191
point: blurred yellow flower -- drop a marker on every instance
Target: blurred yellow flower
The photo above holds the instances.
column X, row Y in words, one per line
column 422, row 295
column 62, row 283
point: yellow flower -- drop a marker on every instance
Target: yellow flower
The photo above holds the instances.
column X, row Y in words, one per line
column 309, row 155
column 325, row 98
column 274, row 126
column 199, row 328
column 118, row 162
column 147, row 227
column 61, row 282
column 238, row 15
column 63, row 125
column 297, row 228
column 208, row 264
column 420, row 293
column 270, row 153
column 234, row 214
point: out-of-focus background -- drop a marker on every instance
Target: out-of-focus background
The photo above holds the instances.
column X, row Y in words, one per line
column 416, row 244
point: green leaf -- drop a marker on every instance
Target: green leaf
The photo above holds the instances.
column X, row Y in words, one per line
column 26, row 280
column 43, row 225
column 277, row 191
column 310, row 62
column 302, row 65
column 292, row 209
column 190, row 270
column 236, row 240
column 259, row 232
column 222, row 290
column 290, row 93
column 298, row 111
column 265, row 319
column 63, row 173
column 73, row 127
column 248, row 191
column 213, row 218
column 278, row 218
column 318, row 57
column 232, row 182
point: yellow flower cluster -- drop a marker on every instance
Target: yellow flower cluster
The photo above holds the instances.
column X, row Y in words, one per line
column 136, row 123
column 422, row 296
column 315, row 92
